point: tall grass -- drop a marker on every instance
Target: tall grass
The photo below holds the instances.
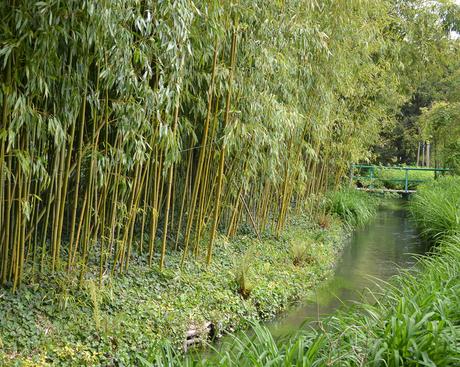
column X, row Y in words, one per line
column 354, row 207
column 436, row 208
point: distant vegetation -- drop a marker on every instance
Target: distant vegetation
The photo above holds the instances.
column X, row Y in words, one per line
column 395, row 179
column 426, row 132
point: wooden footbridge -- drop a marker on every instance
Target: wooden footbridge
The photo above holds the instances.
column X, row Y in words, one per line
column 396, row 179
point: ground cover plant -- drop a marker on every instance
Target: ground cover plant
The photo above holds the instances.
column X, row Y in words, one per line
column 54, row 322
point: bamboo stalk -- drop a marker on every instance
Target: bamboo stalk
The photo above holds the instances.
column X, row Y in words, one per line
column 184, row 195
column 201, row 157
column 168, row 195
column 222, row 152
column 77, row 183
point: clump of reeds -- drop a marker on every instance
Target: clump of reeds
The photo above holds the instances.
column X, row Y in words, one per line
column 324, row 220
column 242, row 277
column 300, row 252
column 436, row 208
column 353, row 207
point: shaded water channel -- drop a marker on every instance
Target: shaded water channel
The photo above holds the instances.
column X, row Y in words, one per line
column 379, row 250
column 376, row 252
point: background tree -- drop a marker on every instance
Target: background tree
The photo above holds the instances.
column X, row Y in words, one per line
column 404, row 141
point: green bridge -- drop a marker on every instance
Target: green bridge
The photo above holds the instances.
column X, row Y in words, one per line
column 398, row 179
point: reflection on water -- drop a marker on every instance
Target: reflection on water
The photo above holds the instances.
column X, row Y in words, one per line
column 385, row 245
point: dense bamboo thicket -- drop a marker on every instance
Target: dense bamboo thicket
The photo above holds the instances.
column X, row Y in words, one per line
column 133, row 128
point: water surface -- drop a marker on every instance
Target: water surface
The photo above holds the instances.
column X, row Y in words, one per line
column 377, row 251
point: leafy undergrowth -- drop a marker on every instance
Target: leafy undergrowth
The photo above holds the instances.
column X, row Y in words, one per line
column 54, row 322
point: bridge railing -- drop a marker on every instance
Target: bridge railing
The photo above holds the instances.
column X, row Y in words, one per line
column 356, row 173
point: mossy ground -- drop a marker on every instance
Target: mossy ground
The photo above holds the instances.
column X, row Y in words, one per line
column 54, row 322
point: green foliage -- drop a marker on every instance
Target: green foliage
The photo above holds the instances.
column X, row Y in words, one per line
column 300, row 252
column 436, row 208
column 431, row 115
column 125, row 121
column 395, row 178
column 441, row 124
column 128, row 121
column 242, row 276
column 353, row 207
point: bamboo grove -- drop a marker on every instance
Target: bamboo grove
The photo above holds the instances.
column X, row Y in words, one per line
column 134, row 128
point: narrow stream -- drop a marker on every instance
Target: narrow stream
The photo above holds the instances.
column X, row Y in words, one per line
column 376, row 252
column 379, row 250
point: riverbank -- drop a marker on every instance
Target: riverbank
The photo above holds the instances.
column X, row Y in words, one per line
column 413, row 321
column 249, row 280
